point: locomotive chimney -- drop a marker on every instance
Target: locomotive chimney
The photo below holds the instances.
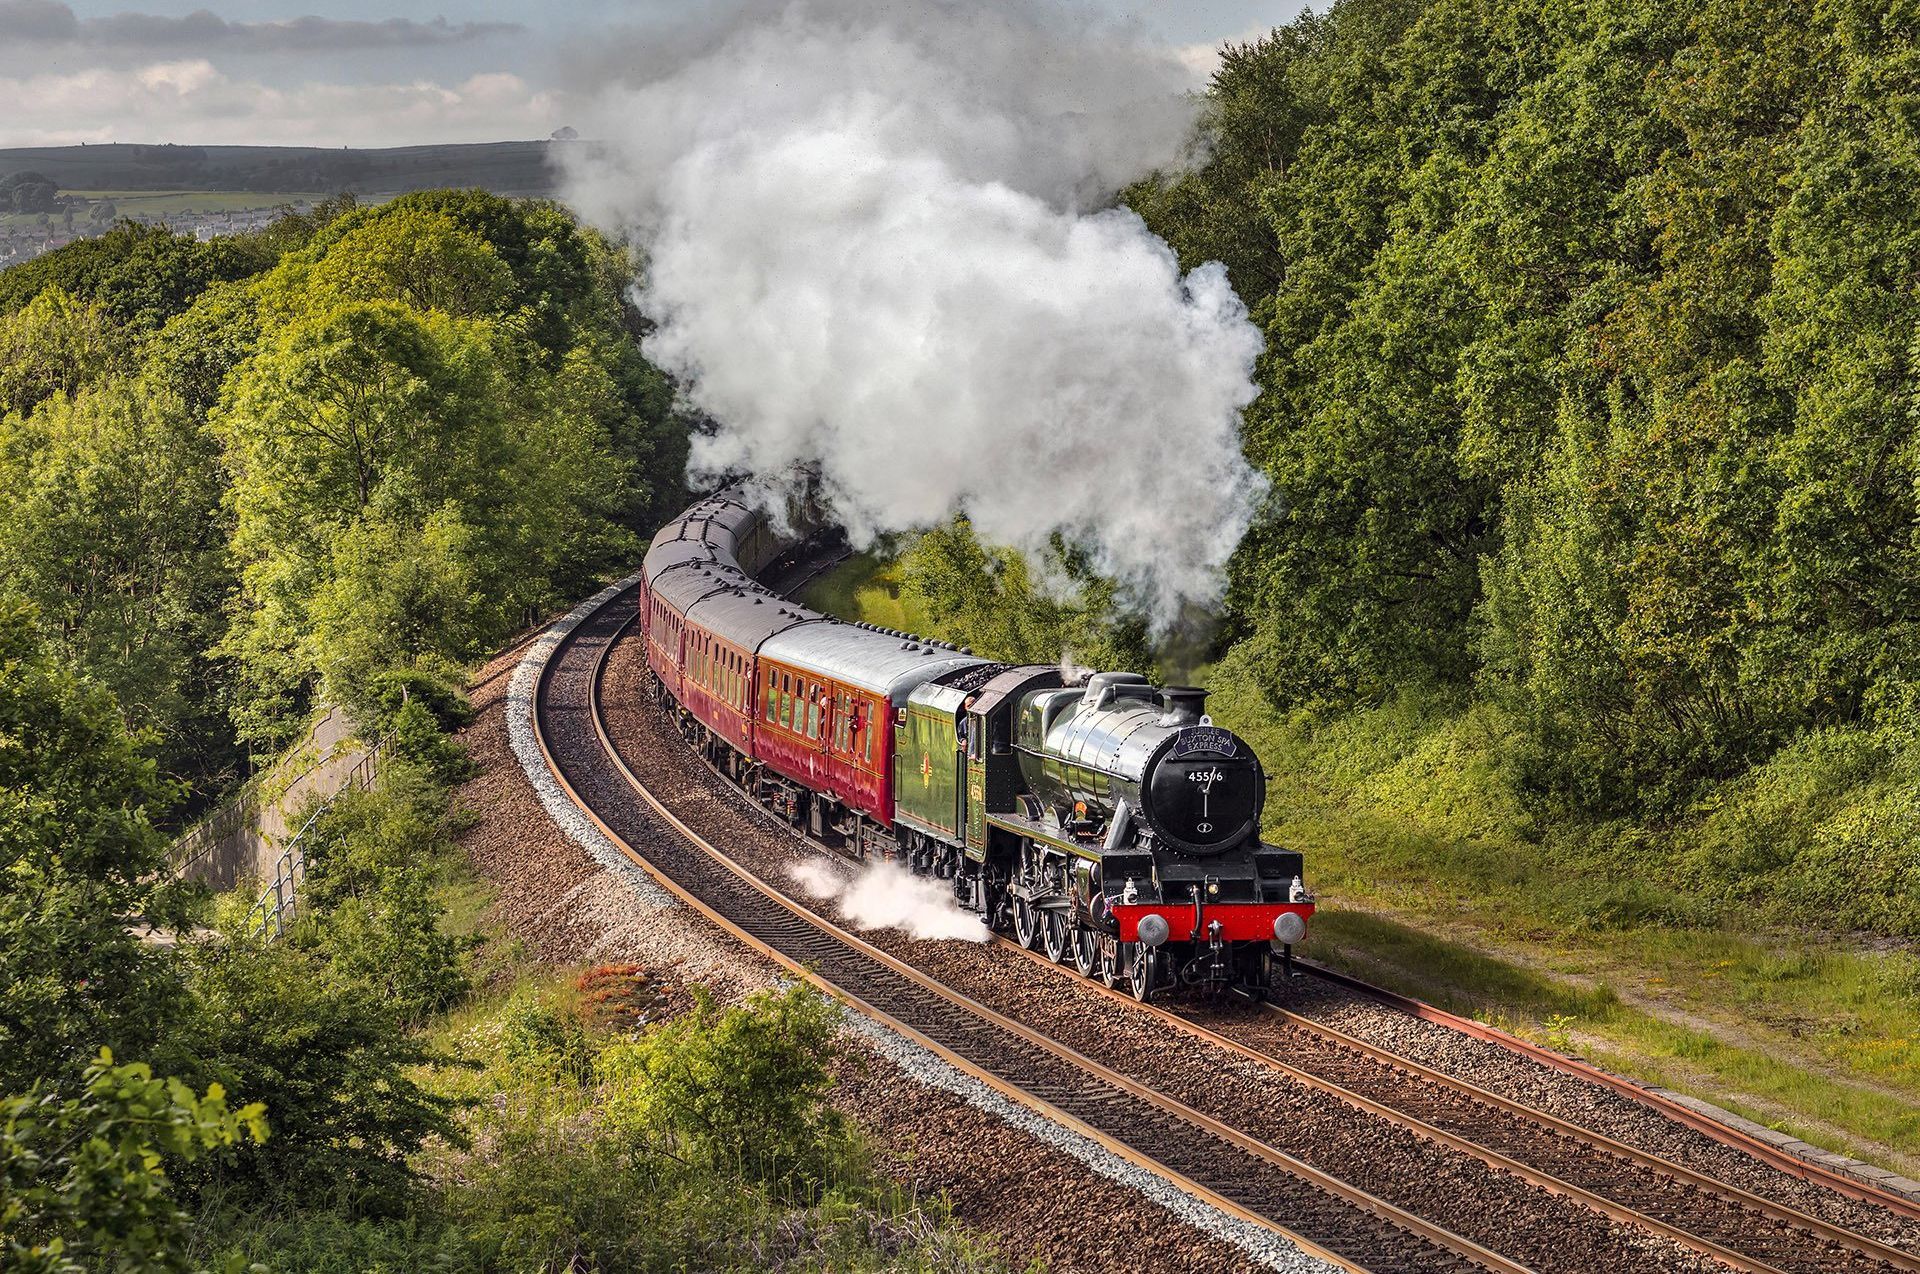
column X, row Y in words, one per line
column 1183, row 705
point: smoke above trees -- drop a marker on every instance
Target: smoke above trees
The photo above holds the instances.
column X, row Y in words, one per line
column 879, row 243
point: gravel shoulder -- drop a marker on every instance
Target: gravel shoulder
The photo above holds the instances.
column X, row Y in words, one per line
column 1004, row 980
column 1028, row 1197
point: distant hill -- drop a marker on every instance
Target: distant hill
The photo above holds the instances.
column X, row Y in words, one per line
column 509, row 168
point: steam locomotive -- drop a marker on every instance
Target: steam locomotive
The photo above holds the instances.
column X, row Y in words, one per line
column 1101, row 820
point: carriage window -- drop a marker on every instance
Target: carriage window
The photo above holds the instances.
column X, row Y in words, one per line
column 813, row 712
column 866, row 745
column 786, row 701
column 773, row 699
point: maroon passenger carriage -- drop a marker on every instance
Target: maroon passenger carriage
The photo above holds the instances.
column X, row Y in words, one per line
column 1107, row 823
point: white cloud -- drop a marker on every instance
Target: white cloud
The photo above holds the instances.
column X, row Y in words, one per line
column 49, row 22
column 1203, row 59
column 192, row 101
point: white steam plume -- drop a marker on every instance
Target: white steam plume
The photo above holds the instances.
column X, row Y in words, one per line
column 870, row 249
column 884, row 895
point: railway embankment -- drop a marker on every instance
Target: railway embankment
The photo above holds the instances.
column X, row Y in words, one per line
column 1010, row 1176
column 1744, row 1202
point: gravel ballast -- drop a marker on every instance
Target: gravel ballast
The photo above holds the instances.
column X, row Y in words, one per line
column 1004, row 980
column 1035, row 1188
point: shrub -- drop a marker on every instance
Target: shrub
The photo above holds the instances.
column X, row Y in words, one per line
column 339, row 1071
column 743, row 1087
column 373, row 859
column 84, row 1181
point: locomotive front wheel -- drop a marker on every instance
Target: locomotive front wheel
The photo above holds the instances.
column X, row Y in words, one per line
column 1140, row 965
column 1086, row 952
column 1054, row 935
column 1025, row 926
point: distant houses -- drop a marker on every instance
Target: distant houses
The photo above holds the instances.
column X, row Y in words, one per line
column 24, row 242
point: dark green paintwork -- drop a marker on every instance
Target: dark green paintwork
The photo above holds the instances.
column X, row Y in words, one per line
column 926, row 772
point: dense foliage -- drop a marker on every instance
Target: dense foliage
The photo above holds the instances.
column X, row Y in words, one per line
column 242, row 475
column 83, row 1181
column 81, row 864
column 1589, row 405
column 338, row 459
column 1589, row 378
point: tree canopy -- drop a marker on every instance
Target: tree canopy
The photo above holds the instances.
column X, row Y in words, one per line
column 1589, row 378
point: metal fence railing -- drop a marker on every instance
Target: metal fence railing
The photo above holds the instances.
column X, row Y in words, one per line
column 280, row 902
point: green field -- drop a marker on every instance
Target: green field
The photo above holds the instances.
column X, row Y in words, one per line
column 155, row 203
column 868, row 587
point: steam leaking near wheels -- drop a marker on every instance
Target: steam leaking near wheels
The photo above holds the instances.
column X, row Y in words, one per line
column 876, row 244
column 885, row 895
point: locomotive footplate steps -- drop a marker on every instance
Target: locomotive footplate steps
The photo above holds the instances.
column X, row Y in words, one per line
column 1230, row 1170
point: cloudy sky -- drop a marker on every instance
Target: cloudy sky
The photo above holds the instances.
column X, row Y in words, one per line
column 376, row 72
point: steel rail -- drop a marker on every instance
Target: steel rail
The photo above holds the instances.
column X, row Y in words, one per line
column 1585, row 1196
column 1379, row 1210
column 1785, row 1160
column 1899, row 1258
column 1827, row 1231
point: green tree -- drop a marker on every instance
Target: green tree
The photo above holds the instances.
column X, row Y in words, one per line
column 987, row 600
column 140, row 275
column 372, row 865
column 56, row 345
column 343, row 1077
column 82, row 864
column 418, row 257
column 364, row 421
column 28, row 192
column 1589, row 338
column 83, row 1181
column 192, row 356
column 111, row 521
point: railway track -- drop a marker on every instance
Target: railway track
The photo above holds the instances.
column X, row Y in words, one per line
column 1730, row 1226
column 1736, row 1227
column 1784, row 1160
column 1238, row 1173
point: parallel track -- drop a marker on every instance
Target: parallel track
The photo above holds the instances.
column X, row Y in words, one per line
column 1738, row 1228
column 1784, row 1160
column 1741, row 1230
column 1237, row 1173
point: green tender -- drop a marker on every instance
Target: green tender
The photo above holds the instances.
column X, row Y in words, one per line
column 926, row 773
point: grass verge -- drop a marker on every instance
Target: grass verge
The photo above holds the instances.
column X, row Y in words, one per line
column 1666, row 954
column 870, row 587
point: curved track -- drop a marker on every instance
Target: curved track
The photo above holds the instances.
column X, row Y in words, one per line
column 1784, row 1160
column 1238, row 1173
column 1631, row 1186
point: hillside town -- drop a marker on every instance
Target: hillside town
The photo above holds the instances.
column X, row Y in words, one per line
column 23, row 238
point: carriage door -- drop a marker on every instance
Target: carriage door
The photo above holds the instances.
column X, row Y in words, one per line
column 973, row 793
